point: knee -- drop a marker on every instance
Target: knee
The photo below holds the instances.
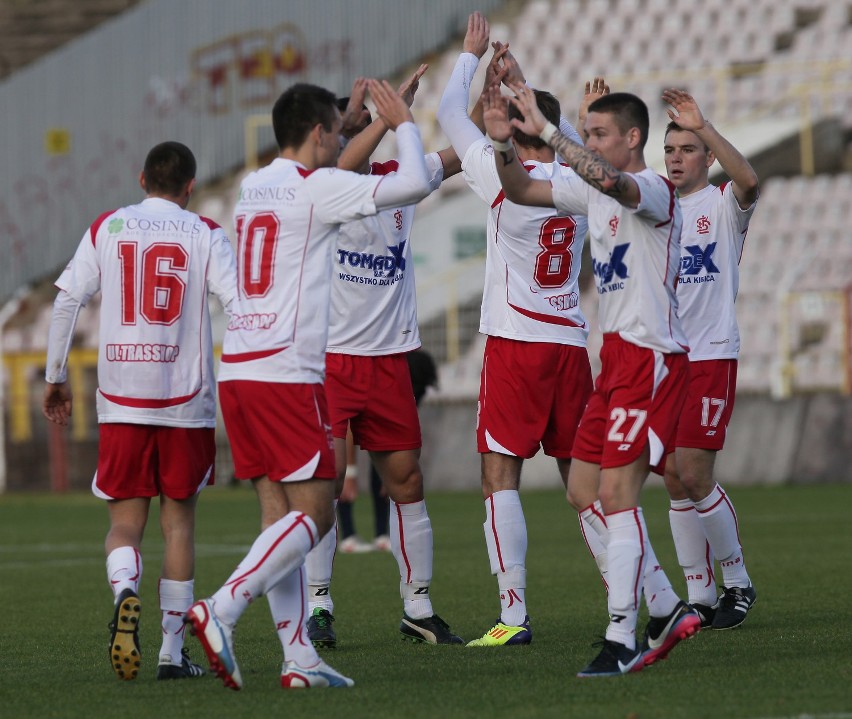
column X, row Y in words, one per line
column 406, row 487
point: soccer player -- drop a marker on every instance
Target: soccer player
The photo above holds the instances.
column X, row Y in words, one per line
column 631, row 417
column 536, row 376
column 155, row 264
column 715, row 222
column 273, row 362
column 373, row 324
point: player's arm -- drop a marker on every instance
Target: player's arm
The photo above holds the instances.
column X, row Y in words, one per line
column 57, row 402
column 688, row 115
column 495, row 73
column 592, row 168
column 355, row 114
column 452, row 110
column 517, row 184
column 222, row 276
column 362, row 145
column 410, row 183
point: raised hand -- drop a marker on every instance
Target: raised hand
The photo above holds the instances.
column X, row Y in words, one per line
column 389, row 105
column 595, row 90
column 408, row 89
column 533, row 121
column 495, row 71
column 355, row 117
column 476, row 38
column 686, row 112
column 514, row 75
column 496, row 114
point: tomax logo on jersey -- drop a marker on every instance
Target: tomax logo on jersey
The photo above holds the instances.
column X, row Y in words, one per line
column 382, row 265
column 697, row 260
column 616, row 267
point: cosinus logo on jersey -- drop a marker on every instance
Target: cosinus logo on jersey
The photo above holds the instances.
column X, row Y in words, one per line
column 615, row 268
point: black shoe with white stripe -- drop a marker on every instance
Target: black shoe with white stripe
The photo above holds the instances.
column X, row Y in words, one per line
column 706, row 613
column 432, row 630
column 734, row 605
column 187, row 669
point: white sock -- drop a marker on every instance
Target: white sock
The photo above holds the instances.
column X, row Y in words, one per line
column 124, row 570
column 175, row 600
column 318, row 566
column 506, row 539
column 279, row 550
column 659, row 594
column 593, row 529
column 720, row 525
column 288, row 603
column 693, row 552
column 626, row 558
column 411, row 544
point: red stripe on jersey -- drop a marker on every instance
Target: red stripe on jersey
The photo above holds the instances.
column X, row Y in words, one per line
column 384, row 168
column 248, row 356
column 550, row 319
column 502, row 195
column 96, row 225
column 672, row 197
column 210, row 223
column 303, row 172
column 149, row 403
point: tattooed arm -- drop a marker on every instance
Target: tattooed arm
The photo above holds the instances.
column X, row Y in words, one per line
column 590, row 166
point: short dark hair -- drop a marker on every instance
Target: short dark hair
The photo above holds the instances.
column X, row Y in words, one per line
column 549, row 107
column 168, row 168
column 677, row 128
column 299, row 109
column 628, row 111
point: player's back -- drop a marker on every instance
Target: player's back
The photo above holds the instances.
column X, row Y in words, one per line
column 157, row 263
column 286, row 219
column 532, row 264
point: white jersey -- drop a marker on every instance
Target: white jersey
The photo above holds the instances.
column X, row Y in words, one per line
column 287, row 219
column 373, row 300
column 155, row 264
column 635, row 258
column 533, row 258
column 711, row 244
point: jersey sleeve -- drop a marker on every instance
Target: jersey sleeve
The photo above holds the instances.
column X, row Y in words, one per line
column 81, row 278
column 742, row 217
column 570, row 194
column 436, row 170
column 656, row 197
column 480, row 172
column 342, row 196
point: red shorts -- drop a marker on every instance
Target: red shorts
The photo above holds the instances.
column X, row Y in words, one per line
column 373, row 396
column 278, row 430
column 709, row 403
column 637, row 401
column 140, row 460
column 531, row 394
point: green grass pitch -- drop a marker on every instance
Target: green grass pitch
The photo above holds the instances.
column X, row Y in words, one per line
column 790, row 659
